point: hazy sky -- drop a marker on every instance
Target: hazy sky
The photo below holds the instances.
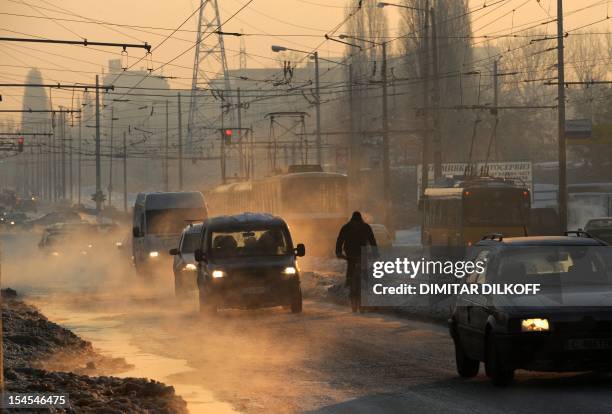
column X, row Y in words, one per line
column 300, row 24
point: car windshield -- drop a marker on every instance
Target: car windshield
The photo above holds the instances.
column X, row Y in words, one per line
column 190, row 242
column 257, row 242
column 172, row 220
column 557, row 265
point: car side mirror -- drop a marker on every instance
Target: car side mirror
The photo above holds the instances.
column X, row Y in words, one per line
column 199, row 255
column 173, row 252
column 300, row 250
column 135, row 232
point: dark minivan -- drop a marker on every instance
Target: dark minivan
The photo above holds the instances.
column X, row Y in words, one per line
column 248, row 261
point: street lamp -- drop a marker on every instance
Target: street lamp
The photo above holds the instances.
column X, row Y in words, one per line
column 315, row 54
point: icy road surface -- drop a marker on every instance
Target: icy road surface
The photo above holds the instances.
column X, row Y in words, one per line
column 326, row 360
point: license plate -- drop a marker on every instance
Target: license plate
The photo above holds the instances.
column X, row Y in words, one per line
column 588, row 343
column 256, row 290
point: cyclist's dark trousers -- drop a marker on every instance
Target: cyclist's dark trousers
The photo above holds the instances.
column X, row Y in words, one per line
column 353, row 280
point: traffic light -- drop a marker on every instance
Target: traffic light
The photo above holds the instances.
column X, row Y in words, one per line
column 20, row 144
column 227, row 136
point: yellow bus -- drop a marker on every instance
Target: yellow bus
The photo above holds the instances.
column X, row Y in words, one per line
column 469, row 209
column 314, row 204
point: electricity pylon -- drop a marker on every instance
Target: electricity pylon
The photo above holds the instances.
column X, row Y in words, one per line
column 209, row 69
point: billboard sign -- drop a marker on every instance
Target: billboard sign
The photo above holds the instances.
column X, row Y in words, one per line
column 517, row 170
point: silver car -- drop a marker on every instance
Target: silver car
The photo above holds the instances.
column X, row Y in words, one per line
column 184, row 264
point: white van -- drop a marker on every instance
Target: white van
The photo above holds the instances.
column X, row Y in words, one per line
column 158, row 221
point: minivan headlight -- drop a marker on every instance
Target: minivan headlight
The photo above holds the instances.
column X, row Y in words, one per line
column 218, row 274
column 153, row 254
column 535, row 325
column 289, row 270
column 190, row 267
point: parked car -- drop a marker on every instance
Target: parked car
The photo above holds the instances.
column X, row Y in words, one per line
column 54, row 217
column 13, row 221
column 72, row 239
column 567, row 326
column 248, row 261
column 600, row 228
column 184, row 265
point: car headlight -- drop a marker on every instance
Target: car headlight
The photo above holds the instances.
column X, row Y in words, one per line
column 289, row 270
column 55, row 253
column 218, row 274
column 190, row 267
column 153, row 254
column 118, row 244
column 535, row 325
column 12, row 222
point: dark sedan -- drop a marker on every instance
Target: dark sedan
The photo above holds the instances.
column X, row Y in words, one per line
column 567, row 326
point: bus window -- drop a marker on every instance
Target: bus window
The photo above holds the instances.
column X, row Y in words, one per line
column 502, row 208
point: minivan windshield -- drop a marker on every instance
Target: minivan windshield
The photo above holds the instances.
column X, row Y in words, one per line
column 173, row 220
column 252, row 242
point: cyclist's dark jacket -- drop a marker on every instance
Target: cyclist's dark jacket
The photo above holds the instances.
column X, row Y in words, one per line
column 353, row 236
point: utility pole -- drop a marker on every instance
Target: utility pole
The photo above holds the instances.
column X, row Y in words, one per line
column 385, row 134
column 561, row 112
column 240, row 146
column 110, row 162
column 98, row 194
column 353, row 141
column 70, row 169
column 437, row 141
column 80, row 159
column 222, row 144
column 425, row 143
column 125, row 208
column 53, row 150
column 166, row 173
column 180, row 144
column 495, row 106
column 63, row 157
column 318, row 109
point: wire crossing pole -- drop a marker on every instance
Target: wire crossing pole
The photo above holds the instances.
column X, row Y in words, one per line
column 425, row 143
column 125, row 192
column 63, row 157
column 180, row 144
column 437, row 139
column 80, row 160
column 318, row 109
column 98, row 194
column 385, row 137
column 166, row 173
column 240, row 146
column 110, row 162
column 70, row 168
column 561, row 112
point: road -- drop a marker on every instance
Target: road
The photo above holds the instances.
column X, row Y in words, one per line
column 326, row 360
